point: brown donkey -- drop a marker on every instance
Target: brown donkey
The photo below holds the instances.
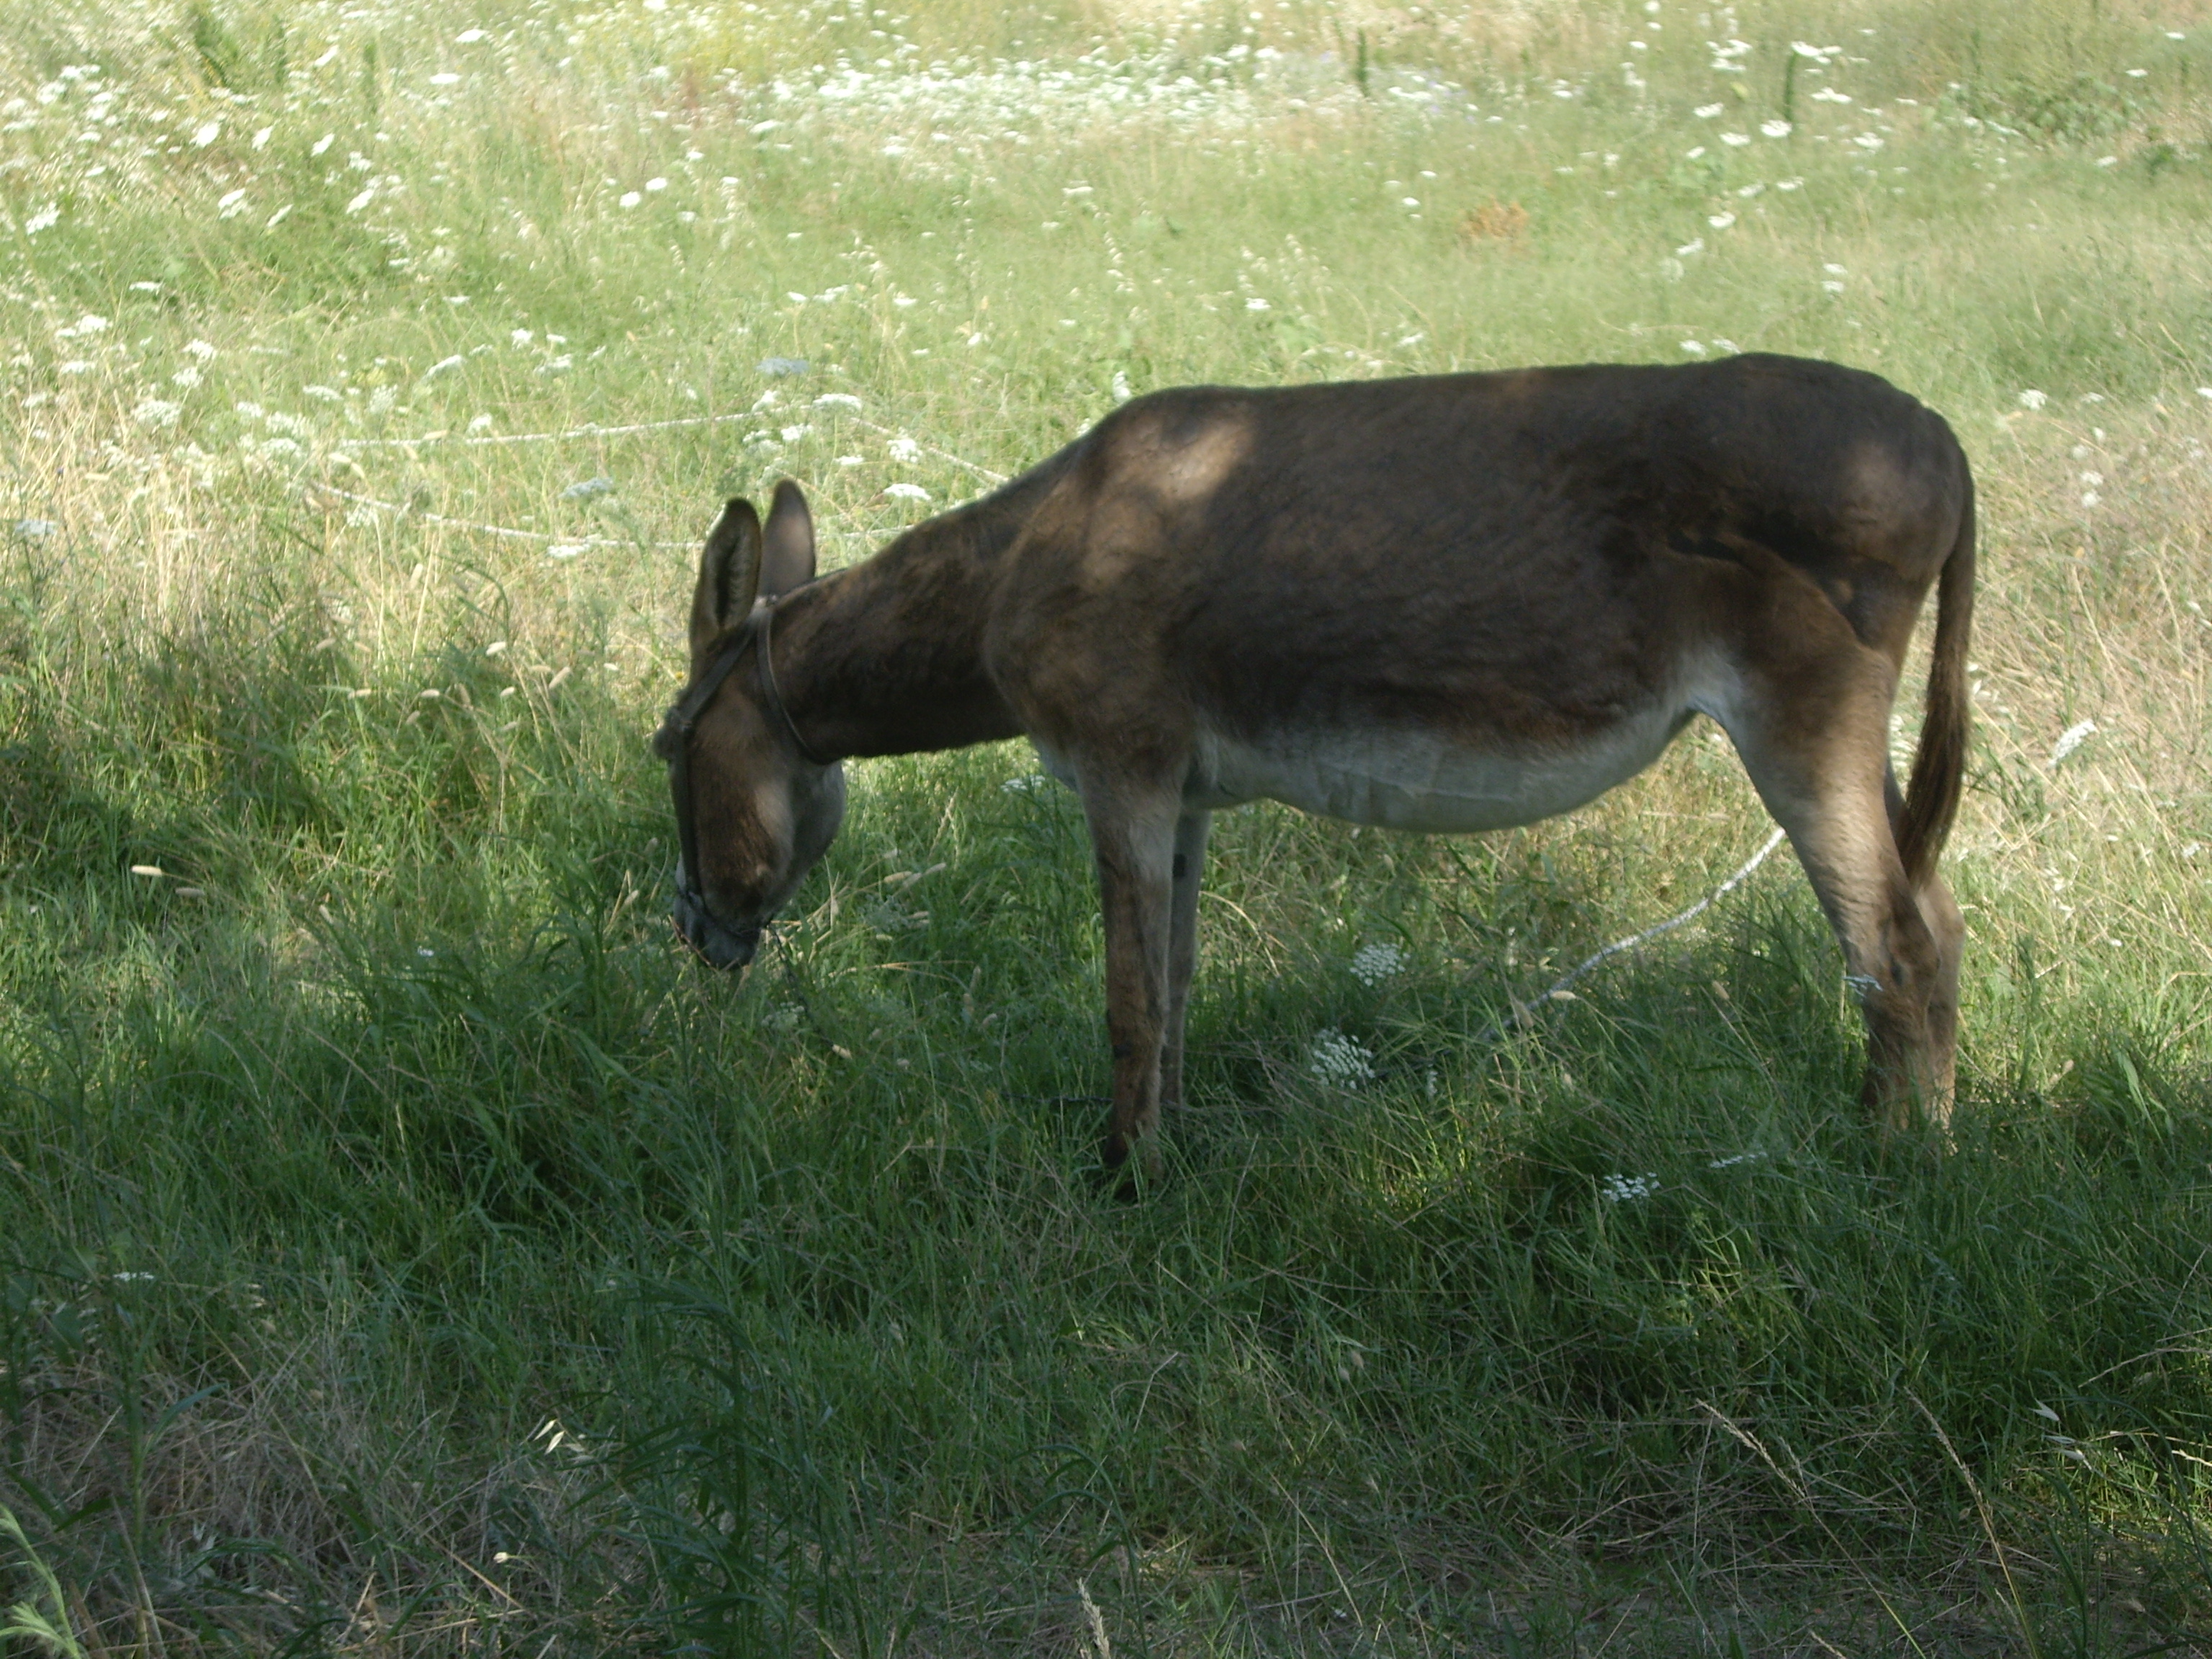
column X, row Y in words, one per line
column 1454, row 602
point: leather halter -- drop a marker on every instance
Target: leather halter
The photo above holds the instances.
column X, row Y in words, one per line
column 683, row 719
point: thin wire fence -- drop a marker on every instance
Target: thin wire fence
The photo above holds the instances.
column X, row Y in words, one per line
column 561, row 546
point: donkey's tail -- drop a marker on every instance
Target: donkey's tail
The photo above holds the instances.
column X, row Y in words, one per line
column 1931, row 799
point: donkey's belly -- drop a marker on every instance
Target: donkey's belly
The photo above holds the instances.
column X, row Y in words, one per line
column 1409, row 779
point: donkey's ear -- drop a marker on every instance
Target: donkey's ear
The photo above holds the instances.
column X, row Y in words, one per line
column 729, row 575
column 789, row 560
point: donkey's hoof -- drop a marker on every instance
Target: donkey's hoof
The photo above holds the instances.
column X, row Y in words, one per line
column 1128, row 1166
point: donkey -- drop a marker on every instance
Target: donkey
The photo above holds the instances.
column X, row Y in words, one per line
column 1441, row 603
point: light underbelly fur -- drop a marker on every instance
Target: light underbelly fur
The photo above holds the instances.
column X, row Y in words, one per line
column 1412, row 779
column 1418, row 779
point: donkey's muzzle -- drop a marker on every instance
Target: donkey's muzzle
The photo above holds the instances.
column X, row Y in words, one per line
column 724, row 948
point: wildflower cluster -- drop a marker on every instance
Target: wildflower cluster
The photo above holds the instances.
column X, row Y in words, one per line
column 1373, row 963
column 1341, row 1062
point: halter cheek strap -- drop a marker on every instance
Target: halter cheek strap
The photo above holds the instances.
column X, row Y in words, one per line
column 774, row 698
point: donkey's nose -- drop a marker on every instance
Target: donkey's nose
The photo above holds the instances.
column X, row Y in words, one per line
column 718, row 947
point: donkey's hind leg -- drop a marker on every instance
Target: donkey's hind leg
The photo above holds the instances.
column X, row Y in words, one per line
column 1901, row 948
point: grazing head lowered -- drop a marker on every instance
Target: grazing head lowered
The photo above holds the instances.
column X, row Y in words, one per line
column 754, row 808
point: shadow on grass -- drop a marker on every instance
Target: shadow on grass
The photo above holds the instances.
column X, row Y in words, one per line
column 328, row 1191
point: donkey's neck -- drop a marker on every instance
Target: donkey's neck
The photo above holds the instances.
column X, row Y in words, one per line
column 886, row 658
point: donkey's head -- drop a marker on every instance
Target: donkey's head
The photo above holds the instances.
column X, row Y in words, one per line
column 754, row 810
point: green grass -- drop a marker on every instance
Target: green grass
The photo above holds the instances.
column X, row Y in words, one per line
column 405, row 1249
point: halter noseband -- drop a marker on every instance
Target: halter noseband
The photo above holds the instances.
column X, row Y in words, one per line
column 683, row 719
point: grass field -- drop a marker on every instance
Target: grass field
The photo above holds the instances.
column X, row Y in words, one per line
column 406, row 1251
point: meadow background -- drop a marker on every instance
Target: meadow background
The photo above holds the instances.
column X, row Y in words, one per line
column 405, row 1249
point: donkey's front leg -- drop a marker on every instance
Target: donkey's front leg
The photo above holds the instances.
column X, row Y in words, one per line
column 1133, row 833
column 1191, row 830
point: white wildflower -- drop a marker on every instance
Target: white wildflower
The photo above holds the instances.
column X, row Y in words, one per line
column 155, row 412
column 907, row 492
column 2032, row 398
column 1255, row 304
column 1695, row 245
column 445, row 78
column 1121, row 387
column 278, row 217
column 45, row 219
column 446, row 366
column 1339, row 1060
column 323, row 142
column 1624, row 1189
column 1735, row 140
column 1375, row 963
column 323, row 394
column 1730, row 1163
column 383, row 400
column 261, row 138
column 1719, row 221
column 482, row 423
column 361, row 200
column 654, row 186
column 1695, row 347
column 904, row 449
column 792, row 435
column 207, row 133
column 837, row 400
column 231, row 205
column 2070, row 739
column 630, row 198
column 566, row 549
column 469, row 37
column 187, row 377
column 201, row 349
column 1706, row 112
column 1775, row 129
